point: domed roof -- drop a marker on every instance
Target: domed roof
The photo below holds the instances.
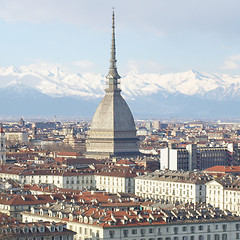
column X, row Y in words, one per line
column 113, row 114
column 113, row 131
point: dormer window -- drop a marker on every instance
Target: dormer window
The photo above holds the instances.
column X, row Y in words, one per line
column 60, row 228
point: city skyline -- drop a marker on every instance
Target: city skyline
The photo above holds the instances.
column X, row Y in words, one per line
column 160, row 37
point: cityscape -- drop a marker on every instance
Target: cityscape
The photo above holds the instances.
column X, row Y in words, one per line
column 138, row 156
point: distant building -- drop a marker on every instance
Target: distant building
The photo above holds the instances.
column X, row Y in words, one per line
column 179, row 158
column 2, row 147
column 46, row 125
column 192, row 157
column 21, row 122
column 19, row 137
column 156, row 125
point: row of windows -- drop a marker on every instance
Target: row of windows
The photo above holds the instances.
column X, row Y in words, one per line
column 200, row 237
column 193, row 229
column 146, row 182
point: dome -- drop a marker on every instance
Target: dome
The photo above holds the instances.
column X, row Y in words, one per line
column 113, row 114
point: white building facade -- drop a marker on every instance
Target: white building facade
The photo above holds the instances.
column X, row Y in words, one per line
column 170, row 186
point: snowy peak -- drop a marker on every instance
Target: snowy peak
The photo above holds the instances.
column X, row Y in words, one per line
column 16, row 90
column 57, row 83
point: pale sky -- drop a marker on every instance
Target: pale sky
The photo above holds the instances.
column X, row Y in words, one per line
column 152, row 36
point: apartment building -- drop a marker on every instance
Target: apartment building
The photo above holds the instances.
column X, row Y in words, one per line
column 11, row 229
column 172, row 186
column 224, row 193
column 188, row 222
column 111, row 178
column 194, row 157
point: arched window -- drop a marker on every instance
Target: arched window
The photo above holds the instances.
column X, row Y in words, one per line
column 224, row 236
column 216, row 237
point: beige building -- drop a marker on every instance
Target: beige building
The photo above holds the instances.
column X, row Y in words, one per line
column 20, row 137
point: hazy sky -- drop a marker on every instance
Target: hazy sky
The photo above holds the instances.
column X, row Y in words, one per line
column 158, row 36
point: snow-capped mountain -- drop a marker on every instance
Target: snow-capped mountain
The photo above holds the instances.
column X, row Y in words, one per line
column 177, row 94
column 57, row 83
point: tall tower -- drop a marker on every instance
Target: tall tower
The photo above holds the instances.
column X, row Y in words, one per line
column 2, row 147
column 112, row 131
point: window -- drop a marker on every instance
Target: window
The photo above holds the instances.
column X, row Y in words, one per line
column 216, row 237
column 237, row 235
column 224, row 236
column 175, row 229
column 111, row 234
column 237, row 226
column 125, row 233
column 216, row 227
column 200, row 227
column 184, row 229
column 134, row 231
column 175, row 238
column 192, row 238
column 224, row 227
column 208, row 237
column 151, row 230
column 201, row 237
column 192, row 229
column 142, row 231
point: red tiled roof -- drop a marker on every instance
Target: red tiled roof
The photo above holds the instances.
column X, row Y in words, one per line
column 223, row 169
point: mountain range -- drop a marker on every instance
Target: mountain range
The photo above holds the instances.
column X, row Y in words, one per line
column 191, row 94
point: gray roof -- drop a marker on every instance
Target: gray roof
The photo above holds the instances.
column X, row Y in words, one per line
column 113, row 114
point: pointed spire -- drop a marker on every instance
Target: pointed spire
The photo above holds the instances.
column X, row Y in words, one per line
column 113, row 75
